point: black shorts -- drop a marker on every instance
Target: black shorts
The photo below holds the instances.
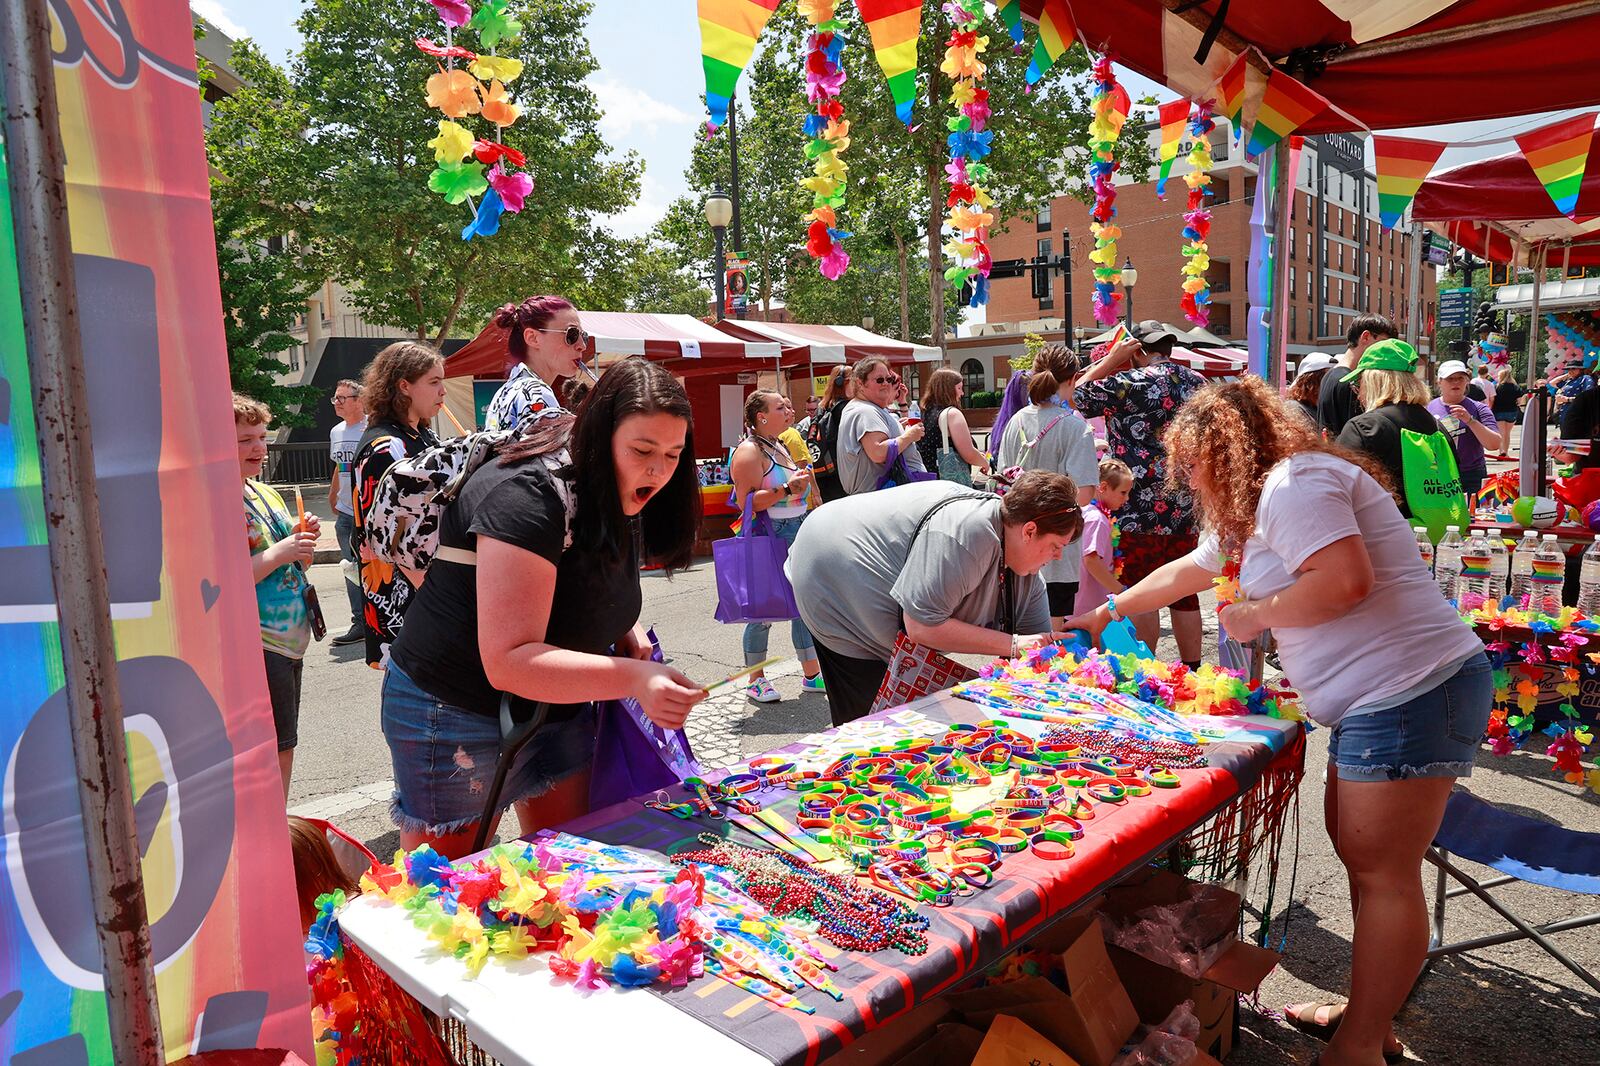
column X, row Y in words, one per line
column 853, row 683
column 283, row 687
column 1063, row 594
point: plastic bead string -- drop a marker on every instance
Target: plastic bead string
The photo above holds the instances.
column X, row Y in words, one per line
column 1197, row 219
column 828, row 134
column 459, row 157
column 969, row 143
column 1104, row 132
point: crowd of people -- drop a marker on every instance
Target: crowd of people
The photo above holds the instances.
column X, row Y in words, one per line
column 901, row 531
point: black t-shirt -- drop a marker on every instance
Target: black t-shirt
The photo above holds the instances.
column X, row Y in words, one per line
column 1475, row 391
column 1378, row 434
column 1505, row 400
column 1337, row 403
column 1580, row 418
column 597, row 599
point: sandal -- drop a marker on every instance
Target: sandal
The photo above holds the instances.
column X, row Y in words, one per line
column 1305, row 1020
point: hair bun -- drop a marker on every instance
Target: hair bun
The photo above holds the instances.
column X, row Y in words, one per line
column 506, row 316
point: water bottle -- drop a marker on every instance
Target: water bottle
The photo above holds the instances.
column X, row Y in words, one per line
column 1447, row 561
column 1472, row 586
column 1425, row 548
column 1549, row 571
column 1589, row 581
column 1499, row 559
column 1522, row 566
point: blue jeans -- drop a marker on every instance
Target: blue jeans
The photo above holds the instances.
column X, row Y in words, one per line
column 344, row 527
column 1435, row 734
column 756, row 634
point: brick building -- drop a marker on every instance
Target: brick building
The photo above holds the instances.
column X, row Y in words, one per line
column 1342, row 264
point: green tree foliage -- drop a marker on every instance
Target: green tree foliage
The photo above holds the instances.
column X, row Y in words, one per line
column 335, row 152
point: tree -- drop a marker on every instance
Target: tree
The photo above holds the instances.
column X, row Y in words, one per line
column 335, row 152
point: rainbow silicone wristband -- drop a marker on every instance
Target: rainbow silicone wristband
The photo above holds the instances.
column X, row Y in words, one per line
column 1052, row 846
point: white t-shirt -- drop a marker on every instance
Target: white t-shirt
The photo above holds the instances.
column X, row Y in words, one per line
column 1401, row 634
column 343, row 442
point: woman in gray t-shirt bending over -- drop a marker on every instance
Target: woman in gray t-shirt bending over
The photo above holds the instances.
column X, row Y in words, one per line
column 930, row 559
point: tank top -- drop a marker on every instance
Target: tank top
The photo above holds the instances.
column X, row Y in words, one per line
column 777, row 477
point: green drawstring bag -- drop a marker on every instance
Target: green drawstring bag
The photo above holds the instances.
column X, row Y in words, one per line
column 1433, row 482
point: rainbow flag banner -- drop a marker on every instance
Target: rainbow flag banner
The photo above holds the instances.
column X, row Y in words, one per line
column 202, row 751
column 1558, row 154
column 895, row 26
column 1285, row 107
column 1057, row 31
column 1010, row 12
column 1403, row 163
column 1231, row 94
column 1173, row 118
column 728, row 32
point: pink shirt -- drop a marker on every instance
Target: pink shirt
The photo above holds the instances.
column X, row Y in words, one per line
column 1096, row 541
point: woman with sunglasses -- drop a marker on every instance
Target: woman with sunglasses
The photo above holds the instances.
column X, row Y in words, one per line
column 544, row 342
column 872, row 441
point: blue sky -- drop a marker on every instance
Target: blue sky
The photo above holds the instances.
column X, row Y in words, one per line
column 650, row 82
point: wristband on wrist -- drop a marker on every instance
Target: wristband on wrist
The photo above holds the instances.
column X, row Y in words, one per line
column 1111, row 608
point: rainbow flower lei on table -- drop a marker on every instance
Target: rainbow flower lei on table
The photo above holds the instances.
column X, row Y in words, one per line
column 1197, row 219
column 460, row 158
column 829, row 133
column 969, row 141
column 1209, row 690
column 1103, row 134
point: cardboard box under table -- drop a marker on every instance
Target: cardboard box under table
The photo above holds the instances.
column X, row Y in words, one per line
column 518, row 1014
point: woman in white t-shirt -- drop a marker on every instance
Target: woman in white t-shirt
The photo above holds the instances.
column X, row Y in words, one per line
column 1330, row 566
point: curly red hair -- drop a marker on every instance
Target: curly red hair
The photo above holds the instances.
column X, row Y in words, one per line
column 1232, row 435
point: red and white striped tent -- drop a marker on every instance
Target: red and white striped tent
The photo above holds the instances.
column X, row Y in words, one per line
column 828, row 345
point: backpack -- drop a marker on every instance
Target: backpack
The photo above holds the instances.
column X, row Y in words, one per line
column 822, row 441
column 402, row 524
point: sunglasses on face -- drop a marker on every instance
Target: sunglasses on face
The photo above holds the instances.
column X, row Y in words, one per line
column 883, row 381
column 576, row 336
column 342, row 399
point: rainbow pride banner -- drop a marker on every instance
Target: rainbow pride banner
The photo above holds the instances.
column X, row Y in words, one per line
column 1010, row 14
column 1230, row 91
column 728, row 32
column 1403, row 163
column 895, row 26
column 1057, row 31
column 1173, row 117
column 1285, row 107
column 1558, row 154
column 202, row 752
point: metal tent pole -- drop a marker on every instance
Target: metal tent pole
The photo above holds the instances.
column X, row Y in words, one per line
column 72, row 508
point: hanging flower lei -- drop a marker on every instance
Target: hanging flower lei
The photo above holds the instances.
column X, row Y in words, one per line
column 1227, row 583
column 1116, row 541
column 1103, row 134
column 829, row 134
column 969, row 142
column 1197, row 220
column 460, row 158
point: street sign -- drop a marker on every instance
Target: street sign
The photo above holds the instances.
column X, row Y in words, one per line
column 1436, row 249
column 1455, row 307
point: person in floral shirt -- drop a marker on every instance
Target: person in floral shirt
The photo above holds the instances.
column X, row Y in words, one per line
column 1138, row 390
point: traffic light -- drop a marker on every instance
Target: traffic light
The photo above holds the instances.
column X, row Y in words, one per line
column 1041, row 277
column 1485, row 322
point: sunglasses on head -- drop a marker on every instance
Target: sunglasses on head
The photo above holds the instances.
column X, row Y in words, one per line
column 576, row 336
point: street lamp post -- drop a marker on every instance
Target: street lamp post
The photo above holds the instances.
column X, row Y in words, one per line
column 719, row 211
column 1130, row 278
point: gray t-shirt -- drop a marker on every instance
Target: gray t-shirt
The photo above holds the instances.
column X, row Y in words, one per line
column 854, row 568
column 857, row 471
column 1068, row 448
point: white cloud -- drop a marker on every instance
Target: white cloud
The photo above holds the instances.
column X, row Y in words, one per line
column 213, row 12
column 638, row 219
column 628, row 108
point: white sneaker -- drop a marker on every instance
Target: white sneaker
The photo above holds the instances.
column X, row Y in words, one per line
column 762, row 692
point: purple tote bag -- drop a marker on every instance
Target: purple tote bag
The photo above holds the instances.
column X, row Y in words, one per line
column 632, row 755
column 751, row 584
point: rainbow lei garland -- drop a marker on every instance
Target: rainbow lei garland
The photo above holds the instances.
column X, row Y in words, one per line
column 1103, row 134
column 1197, row 219
column 1116, row 541
column 1226, row 583
column 480, row 89
column 1209, row 690
column 969, row 143
column 829, row 134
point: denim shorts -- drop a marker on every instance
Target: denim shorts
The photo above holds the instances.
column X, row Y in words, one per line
column 1435, row 734
column 444, row 758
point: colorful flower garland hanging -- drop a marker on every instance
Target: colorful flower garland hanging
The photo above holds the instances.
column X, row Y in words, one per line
column 829, row 134
column 461, row 158
column 969, row 143
column 1103, row 134
column 1197, row 220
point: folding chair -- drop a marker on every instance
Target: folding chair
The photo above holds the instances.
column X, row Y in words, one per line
column 1521, row 849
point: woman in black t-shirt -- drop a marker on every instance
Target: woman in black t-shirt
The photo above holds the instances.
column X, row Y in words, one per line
column 1394, row 400
column 402, row 391
column 526, row 602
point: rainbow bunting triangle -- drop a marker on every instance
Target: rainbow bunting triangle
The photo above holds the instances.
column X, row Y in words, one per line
column 1231, row 89
column 1558, row 154
column 1285, row 107
column 1403, row 163
column 895, row 26
column 1056, row 34
column 1174, row 117
column 1010, row 12
column 728, row 32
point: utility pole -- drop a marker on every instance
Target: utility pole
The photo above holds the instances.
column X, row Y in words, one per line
column 733, row 158
column 1066, row 288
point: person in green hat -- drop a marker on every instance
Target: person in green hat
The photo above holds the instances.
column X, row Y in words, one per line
column 1394, row 399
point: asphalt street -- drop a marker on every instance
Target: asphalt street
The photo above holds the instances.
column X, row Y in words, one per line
column 1509, row 1004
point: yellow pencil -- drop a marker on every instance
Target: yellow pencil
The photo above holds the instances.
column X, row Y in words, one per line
column 746, row 672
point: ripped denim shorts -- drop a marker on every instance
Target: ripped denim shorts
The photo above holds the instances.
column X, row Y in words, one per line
column 1435, row 734
column 444, row 757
